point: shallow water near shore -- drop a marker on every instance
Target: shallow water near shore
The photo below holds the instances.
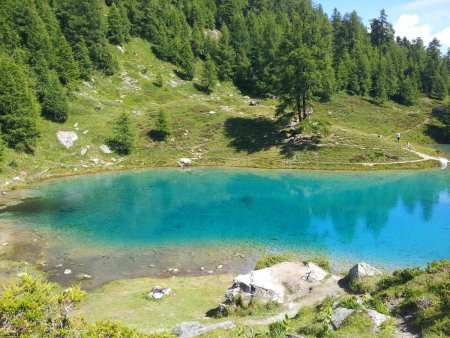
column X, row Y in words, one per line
column 131, row 224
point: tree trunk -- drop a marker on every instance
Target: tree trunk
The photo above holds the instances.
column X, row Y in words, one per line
column 298, row 108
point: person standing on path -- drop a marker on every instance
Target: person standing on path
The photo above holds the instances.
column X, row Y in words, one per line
column 398, row 137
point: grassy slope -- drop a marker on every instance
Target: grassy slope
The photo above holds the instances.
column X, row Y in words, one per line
column 126, row 301
column 237, row 135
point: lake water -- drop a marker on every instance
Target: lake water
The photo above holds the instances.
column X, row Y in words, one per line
column 392, row 219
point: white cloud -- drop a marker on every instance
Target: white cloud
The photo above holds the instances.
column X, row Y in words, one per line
column 409, row 25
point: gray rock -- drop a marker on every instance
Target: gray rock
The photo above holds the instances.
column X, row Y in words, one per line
column 377, row 318
column 339, row 315
column 83, row 151
column 194, row 329
column 184, row 161
column 105, row 149
column 362, row 270
column 66, row 138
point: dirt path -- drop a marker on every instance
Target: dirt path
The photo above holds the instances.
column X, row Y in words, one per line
column 425, row 157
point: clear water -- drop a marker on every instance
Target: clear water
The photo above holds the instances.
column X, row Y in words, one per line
column 391, row 218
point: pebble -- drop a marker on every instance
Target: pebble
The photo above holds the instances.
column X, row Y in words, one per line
column 67, row 272
column 210, row 272
column 219, row 267
column 202, row 268
column 58, row 266
column 5, row 244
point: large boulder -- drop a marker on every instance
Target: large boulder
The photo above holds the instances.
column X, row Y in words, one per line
column 339, row 315
column 362, row 270
column 66, row 138
column 194, row 329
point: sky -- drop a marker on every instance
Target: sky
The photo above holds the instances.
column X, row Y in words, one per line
column 410, row 18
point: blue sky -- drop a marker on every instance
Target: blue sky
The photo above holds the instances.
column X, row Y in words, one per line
column 413, row 18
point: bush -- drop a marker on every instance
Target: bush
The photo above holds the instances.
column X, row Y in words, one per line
column 350, row 303
column 377, row 305
column 270, row 260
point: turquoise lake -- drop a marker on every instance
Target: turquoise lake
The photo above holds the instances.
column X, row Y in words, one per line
column 391, row 218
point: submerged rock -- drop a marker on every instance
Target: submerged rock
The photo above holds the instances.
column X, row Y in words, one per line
column 362, row 270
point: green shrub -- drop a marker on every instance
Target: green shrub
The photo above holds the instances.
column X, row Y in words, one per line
column 350, row 303
column 270, row 260
column 377, row 304
column 364, row 285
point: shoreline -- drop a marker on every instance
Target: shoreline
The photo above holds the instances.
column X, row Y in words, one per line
column 35, row 179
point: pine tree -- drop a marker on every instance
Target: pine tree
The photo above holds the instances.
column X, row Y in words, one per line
column 54, row 103
column 159, row 82
column 115, row 32
column 408, row 92
column 123, row 140
column 439, row 88
column 208, row 76
column 66, row 65
column 186, row 60
column 225, row 56
column 81, row 54
column 298, row 79
column 162, row 128
column 18, row 108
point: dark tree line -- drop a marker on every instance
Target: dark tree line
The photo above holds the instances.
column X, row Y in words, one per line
column 285, row 47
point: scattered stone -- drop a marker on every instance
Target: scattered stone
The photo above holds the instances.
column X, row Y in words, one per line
column 67, row 272
column 5, row 244
column 3, row 193
column 84, row 276
column 21, row 274
column 158, row 292
column 339, row 315
column 173, row 83
column 377, row 318
column 75, row 125
column 121, row 49
column 85, row 132
column 105, row 149
column 254, row 103
column 87, row 84
column 194, row 329
column 219, row 267
column 99, row 108
column 246, row 97
column 58, row 266
column 212, row 112
column 362, row 270
column 66, row 138
column 227, row 108
column 95, row 160
column 137, row 112
column 83, row 151
column 210, row 272
column 202, row 268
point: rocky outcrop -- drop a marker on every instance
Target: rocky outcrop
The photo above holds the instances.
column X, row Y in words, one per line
column 194, row 329
column 339, row 315
column 362, row 270
column 316, row 273
column 66, row 138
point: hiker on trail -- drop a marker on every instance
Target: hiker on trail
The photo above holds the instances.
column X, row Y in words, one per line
column 398, row 137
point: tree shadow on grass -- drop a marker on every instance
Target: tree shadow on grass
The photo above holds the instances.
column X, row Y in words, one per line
column 253, row 135
column 439, row 133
